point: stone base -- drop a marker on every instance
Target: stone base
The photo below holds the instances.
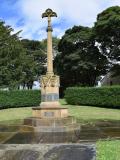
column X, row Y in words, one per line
column 49, row 112
column 52, row 104
column 56, row 125
column 53, row 122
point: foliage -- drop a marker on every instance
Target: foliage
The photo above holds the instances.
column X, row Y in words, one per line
column 107, row 31
column 34, row 62
column 87, row 53
column 84, row 54
column 21, row 62
column 102, row 97
column 80, row 61
column 108, row 150
column 19, row 98
column 115, row 70
column 11, row 57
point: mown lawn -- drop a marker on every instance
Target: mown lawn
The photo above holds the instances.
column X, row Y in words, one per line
column 82, row 113
column 7, row 115
column 92, row 114
column 108, row 150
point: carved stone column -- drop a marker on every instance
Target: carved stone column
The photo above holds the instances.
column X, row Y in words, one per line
column 49, row 48
column 50, row 106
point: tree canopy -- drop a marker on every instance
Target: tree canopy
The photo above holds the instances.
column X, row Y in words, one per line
column 11, row 57
column 87, row 53
column 80, row 56
column 21, row 61
column 34, row 64
column 107, row 31
column 80, row 62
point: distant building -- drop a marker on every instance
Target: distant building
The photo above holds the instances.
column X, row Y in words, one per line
column 110, row 80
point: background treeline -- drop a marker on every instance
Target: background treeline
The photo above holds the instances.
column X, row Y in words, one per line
column 87, row 53
column 81, row 56
column 21, row 61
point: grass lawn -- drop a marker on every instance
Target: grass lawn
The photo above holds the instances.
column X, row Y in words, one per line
column 15, row 114
column 108, row 150
column 92, row 114
column 82, row 113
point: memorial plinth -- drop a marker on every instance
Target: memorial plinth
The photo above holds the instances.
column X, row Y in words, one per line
column 50, row 106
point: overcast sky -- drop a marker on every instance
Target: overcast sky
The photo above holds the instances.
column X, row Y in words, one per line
column 26, row 15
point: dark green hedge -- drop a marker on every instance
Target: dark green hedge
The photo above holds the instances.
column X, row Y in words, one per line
column 94, row 96
column 19, row 98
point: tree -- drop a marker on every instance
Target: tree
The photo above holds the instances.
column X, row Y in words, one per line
column 11, row 57
column 34, row 63
column 107, row 31
column 80, row 61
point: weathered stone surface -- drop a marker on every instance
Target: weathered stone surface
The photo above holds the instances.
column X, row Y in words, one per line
column 50, row 97
column 36, row 130
column 48, row 152
column 53, row 108
column 71, row 152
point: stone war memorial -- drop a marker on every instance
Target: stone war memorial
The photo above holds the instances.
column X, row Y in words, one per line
column 36, row 126
column 50, row 106
column 50, row 116
column 49, row 122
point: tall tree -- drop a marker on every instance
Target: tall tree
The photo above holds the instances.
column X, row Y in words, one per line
column 107, row 31
column 34, row 64
column 11, row 57
column 80, row 61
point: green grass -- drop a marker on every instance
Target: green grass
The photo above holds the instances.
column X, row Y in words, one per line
column 108, row 150
column 91, row 114
column 82, row 113
column 17, row 114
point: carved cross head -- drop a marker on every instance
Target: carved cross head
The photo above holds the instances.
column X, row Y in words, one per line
column 49, row 13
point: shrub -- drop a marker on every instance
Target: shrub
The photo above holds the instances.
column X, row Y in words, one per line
column 94, row 96
column 19, row 98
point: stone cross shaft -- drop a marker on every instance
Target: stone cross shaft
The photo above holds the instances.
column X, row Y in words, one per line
column 49, row 13
column 50, row 83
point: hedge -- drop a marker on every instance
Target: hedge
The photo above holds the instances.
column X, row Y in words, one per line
column 94, row 96
column 19, row 98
